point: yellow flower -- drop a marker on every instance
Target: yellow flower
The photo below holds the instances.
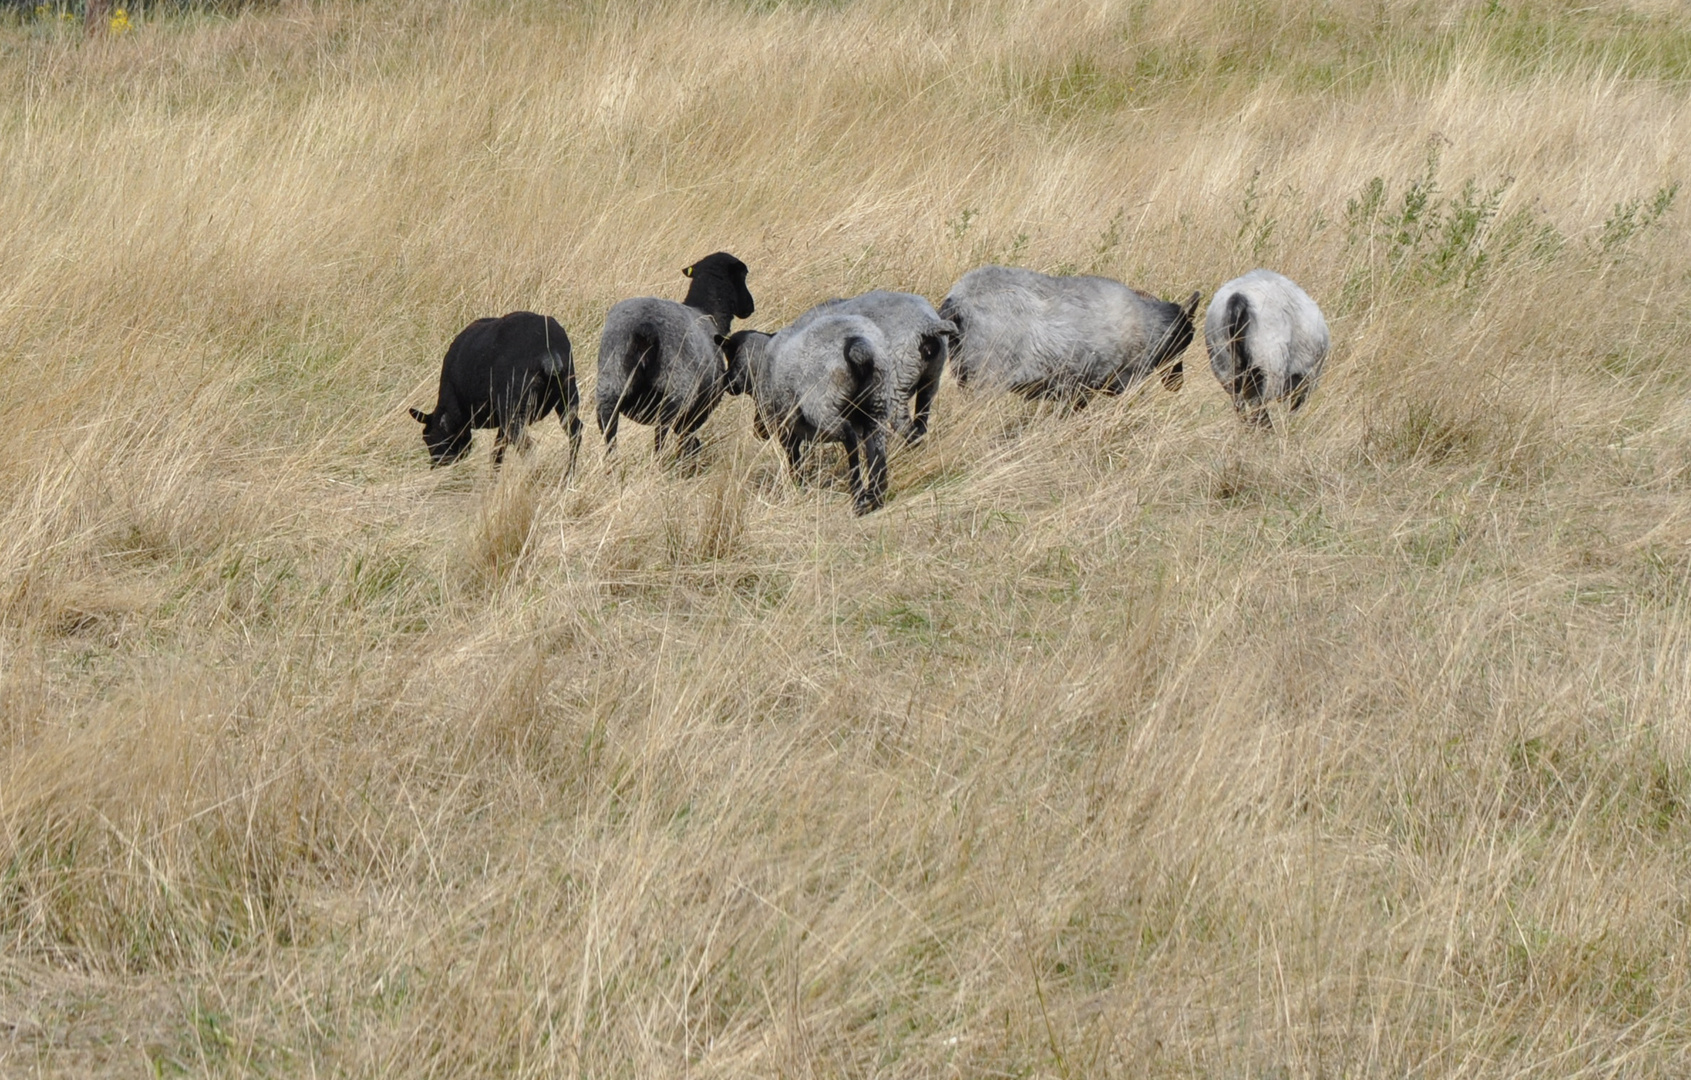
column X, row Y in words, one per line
column 119, row 22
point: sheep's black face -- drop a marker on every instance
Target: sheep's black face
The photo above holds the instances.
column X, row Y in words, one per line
column 719, row 283
column 445, row 443
column 743, row 306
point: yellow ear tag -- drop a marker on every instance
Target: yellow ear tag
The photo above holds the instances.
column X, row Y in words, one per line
column 687, row 272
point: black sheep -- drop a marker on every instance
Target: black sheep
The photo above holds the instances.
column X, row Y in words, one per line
column 502, row 373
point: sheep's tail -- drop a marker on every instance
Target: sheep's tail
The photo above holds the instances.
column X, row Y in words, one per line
column 1237, row 322
column 862, row 399
column 640, row 358
column 556, row 357
column 948, row 311
column 1176, row 336
column 939, row 340
column 637, row 363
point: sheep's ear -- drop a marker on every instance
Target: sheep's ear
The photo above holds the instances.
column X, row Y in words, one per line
column 420, row 416
column 687, row 271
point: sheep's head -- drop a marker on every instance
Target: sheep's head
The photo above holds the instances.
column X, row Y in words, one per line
column 740, row 349
column 446, row 442
column 719, row 286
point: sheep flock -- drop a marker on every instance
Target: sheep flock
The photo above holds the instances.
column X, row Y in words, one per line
column 851, row 370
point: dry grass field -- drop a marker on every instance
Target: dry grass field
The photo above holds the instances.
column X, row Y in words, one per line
column 1122, row 742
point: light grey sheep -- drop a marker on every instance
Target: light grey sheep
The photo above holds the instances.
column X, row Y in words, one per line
column 823, row 380
column 1267, row 340
column 1062, row 337
column 659, row 361
column 917, row 342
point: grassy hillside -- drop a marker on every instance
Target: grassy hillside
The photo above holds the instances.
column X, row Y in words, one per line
column 1121, row 742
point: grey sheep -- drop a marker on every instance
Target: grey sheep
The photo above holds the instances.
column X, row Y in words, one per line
column 1062, row 337
column 823, row 380
column 1267, row 341
column 917, row 342
column 659, row 361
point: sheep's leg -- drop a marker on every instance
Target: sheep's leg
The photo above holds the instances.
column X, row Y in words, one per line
column 569, row 415
column 515, row 434
column 1297, row 391
column 1247, row 398
column 926, row 390
column 611, row 433
column 852, row 465
column 1254, row 414
column 792, row 440
column 869, row 476
column 1174, row 375
column 689, row 447
column 1248, row 385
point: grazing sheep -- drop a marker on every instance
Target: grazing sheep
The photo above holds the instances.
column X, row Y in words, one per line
column 659, row 361
column 823, row 380
column 917, row 343
column 502, row 373
column 1267, row 341
column 1061, row 337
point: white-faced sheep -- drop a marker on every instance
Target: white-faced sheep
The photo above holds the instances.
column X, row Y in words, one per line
column 659, row 361
column 1062, row 337
column 822, row 381
column 1267, row 340
column 917, row 341
column 502, row 373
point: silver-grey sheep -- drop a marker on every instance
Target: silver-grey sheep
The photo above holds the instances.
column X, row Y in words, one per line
column 659, row 361
column 1063, row 337
column 917, row 342
column 1267, row 341
column 824, row 380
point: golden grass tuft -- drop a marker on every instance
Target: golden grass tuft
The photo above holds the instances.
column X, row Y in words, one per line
column 1122, row 741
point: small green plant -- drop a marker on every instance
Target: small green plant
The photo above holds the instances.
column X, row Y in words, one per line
column 1255, row 225
column 959, row 225
column 1417, row 215
column 1362, row 211
column 1108, row 241
column 1425, row 236
column 1018, row 248
column 1634, row 217
column 1459, row 253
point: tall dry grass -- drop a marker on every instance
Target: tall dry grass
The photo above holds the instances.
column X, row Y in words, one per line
column 1122, row 742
